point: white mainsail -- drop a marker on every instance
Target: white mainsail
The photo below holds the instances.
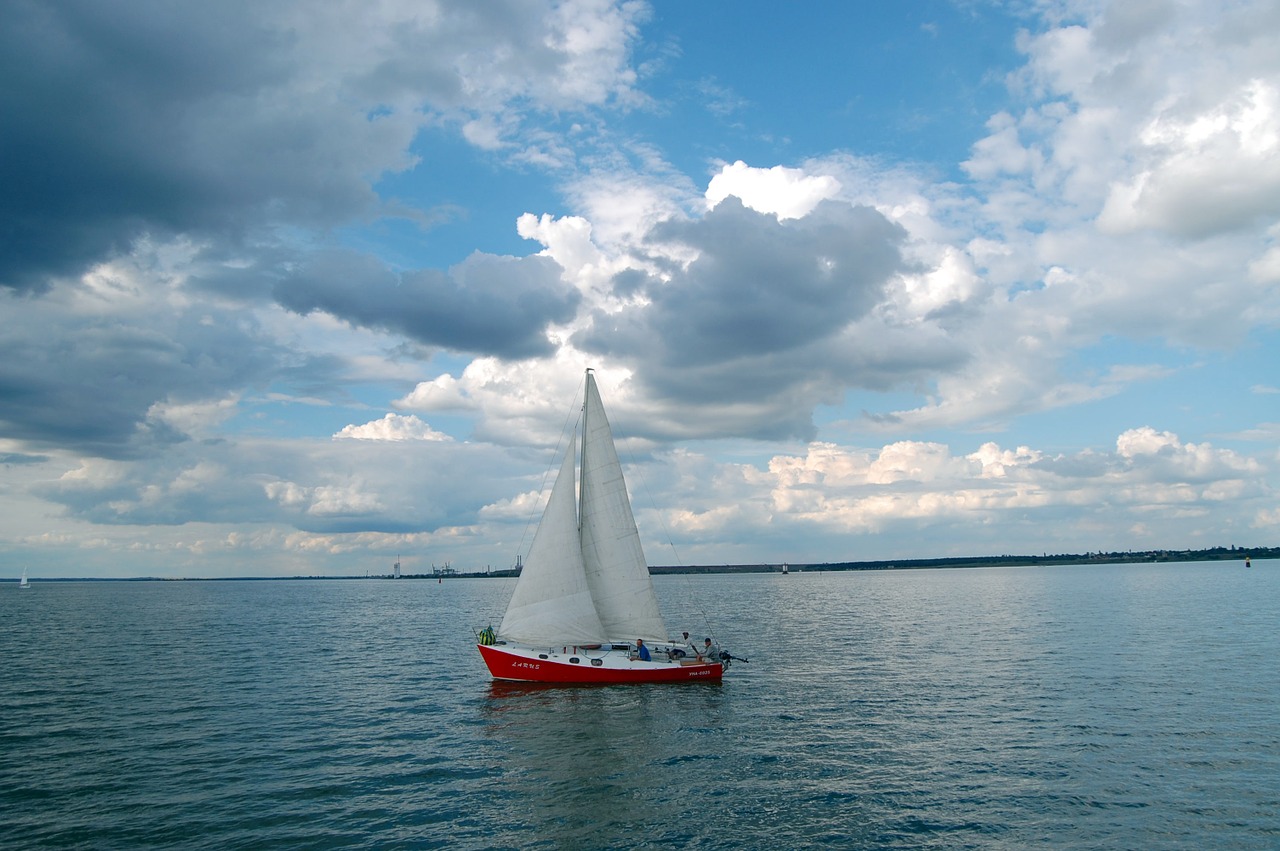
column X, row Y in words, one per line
column 585, row 579
column 616, row 568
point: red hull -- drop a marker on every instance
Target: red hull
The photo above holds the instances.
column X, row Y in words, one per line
column 504, row 665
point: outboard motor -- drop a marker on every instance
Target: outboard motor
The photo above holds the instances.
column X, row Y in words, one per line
column 726, row 658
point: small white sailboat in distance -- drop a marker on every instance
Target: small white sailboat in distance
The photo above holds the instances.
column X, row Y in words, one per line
column 584, row 609
column 23, row 583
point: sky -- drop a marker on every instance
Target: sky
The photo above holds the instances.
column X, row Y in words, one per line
column 303, row 288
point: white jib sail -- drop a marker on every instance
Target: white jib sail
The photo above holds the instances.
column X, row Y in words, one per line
column 552, row 603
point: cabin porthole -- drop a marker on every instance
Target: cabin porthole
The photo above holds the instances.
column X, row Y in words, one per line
column 597, row 662
column 574, row 659
column 542, row 655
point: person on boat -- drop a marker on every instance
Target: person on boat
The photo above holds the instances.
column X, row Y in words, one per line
column 677, row 649
column 708, row 651
column 642, row 652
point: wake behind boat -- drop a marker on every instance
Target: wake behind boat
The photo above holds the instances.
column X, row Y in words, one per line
column 584, row 609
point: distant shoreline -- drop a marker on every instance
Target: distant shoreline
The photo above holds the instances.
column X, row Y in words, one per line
column 1146, row 557
column 1149, row 557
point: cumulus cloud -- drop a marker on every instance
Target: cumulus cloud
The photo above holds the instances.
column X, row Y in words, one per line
column 391, row 427
column 758, row 291
column 1131, row 196
column 1151, row 476
column 789, row 193
column 1205, row 173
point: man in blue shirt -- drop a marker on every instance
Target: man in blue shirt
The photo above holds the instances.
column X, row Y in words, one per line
column 642, row 652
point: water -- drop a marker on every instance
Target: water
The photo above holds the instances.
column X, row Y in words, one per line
column 1119, row 706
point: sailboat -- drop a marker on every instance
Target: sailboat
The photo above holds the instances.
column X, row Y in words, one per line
column 23, row 583
column 584, row 609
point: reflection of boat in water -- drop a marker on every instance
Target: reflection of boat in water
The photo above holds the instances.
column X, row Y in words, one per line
column 590, row 767
column 584, row 609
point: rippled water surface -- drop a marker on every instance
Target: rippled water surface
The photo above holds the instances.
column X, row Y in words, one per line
column 1122, row 706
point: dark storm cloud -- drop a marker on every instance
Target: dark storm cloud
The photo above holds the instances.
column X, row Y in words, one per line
column 759, row 286
column 121, row 119
column 220, row 121
column 115, row 122
column 490, row 305
column 89, row 386
column 754, row 331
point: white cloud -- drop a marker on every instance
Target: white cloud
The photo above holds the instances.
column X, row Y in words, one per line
column 1206, row 173
column 789, row 193
column 623, row 203
column 1061, row 61
column 1001, row 152
column 1133, row 196
column 952, row 280
column 1152, row 479
column 484, row 132
column 1145, row 441
column 910, row 461
column 595, row 38
column 392, row 427
column 287, row 493
column 329, row 500
column 1163, row 454
column 194, row 417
